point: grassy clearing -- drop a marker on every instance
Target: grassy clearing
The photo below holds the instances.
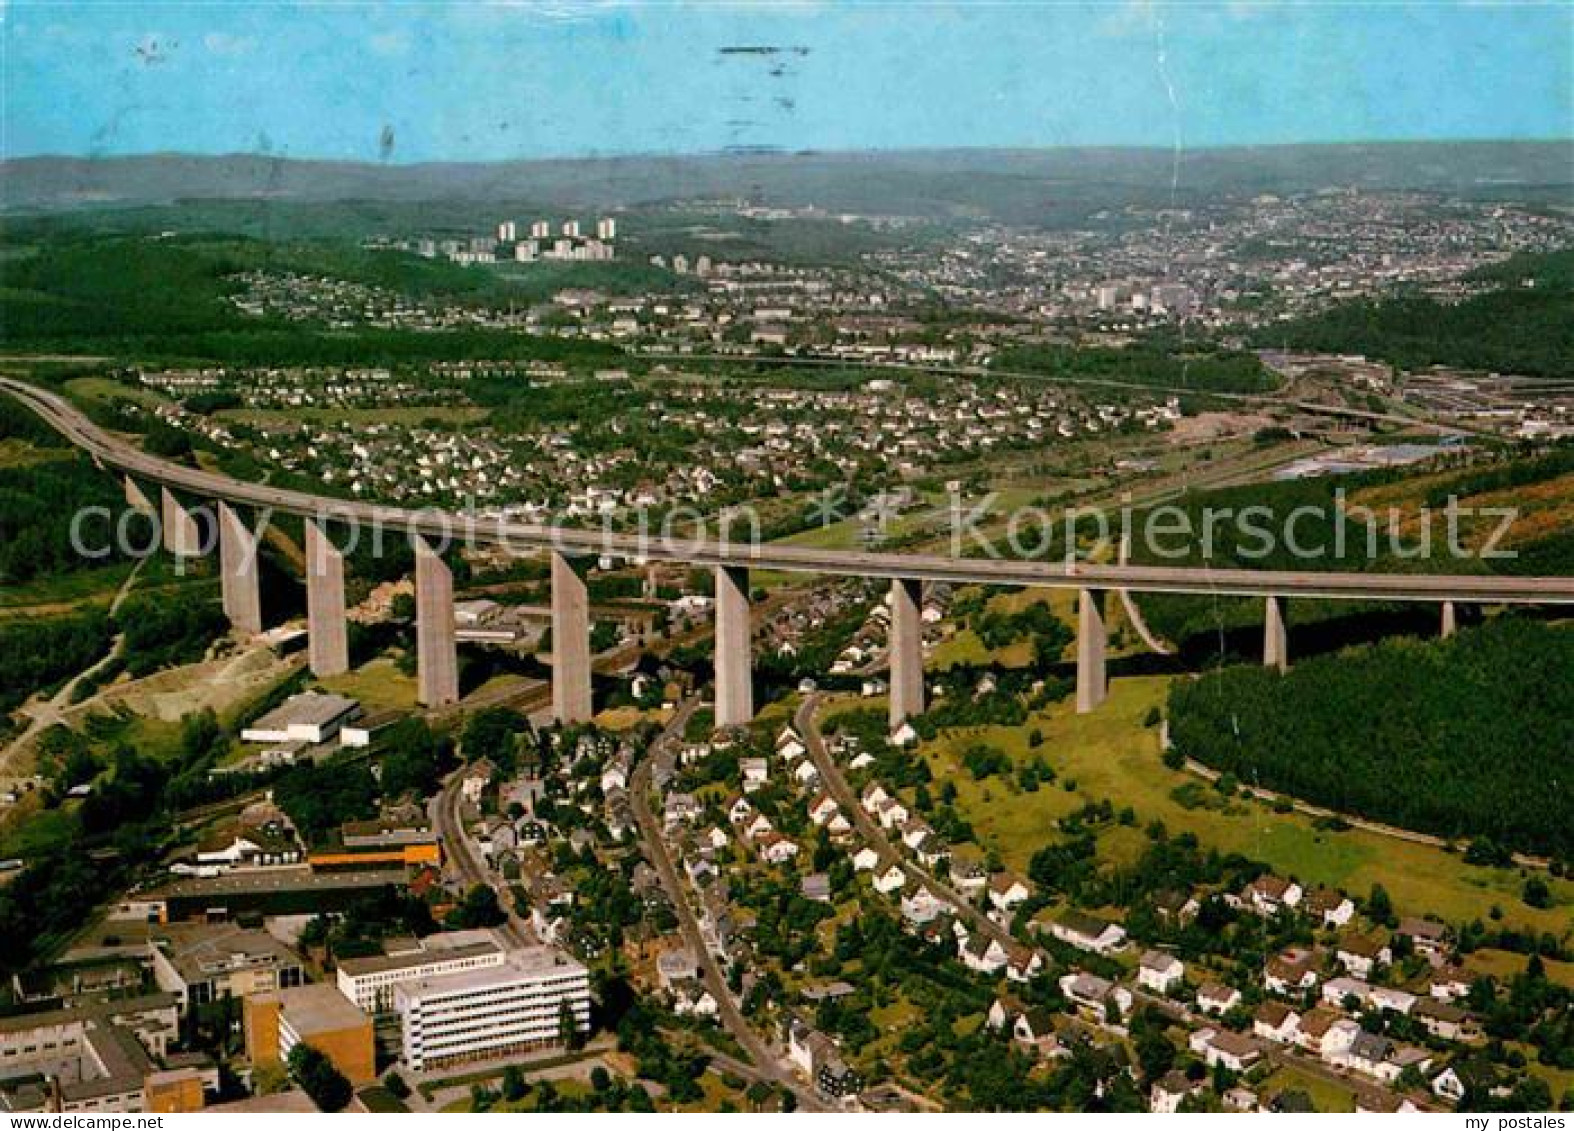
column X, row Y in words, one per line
column 74, row 588
column 1503, row 965
column 378, row 685
column 848, row 534
column 627, row 718
column 105, row 390
column 1110, row 754
column 21, row 453
column 1325, row 1096
column 30, row 836
column 966, row 648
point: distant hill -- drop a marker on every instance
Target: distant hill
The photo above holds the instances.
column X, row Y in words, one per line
column 1022, row 186
column 1521, row 327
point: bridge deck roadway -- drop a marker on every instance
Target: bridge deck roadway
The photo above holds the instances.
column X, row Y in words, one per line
column 471, row 529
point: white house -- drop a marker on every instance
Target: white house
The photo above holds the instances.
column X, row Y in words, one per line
column 756, row 773
column 777, row 849
column 922, row 906
column 1087, row 932
column 1332, row 907
column 1006, row 891
column 892, row 814
column 1160, row 972
column 822, row 807
column 1094, row 994
column 1288, row 976
column 890, row 878
column 983, row 953
column 1217, row 998
column 1268, row 895
column 757, row 826
column 1336, row 990
column 1277, row 1022
column 1235, row 1051
column 1170, row 1090
column 1360, row 955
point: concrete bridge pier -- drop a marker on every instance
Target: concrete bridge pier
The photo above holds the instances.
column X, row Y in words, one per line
column 137, row 499
column 571, row 702
column 1092, row 645
column 734, row 676
column 327, row 641
column 238, row 571
column 906, row 647
column 1450, row 619
column 436, row 653
column 1275, row 638
column 181, row 536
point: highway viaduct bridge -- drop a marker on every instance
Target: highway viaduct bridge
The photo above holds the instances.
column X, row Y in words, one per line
column 430, row 531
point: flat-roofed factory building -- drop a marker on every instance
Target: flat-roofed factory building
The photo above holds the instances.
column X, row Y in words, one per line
column 310, row 717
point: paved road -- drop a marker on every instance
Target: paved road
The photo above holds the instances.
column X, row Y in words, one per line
column 767, row 1065
column 837, row 785
column 461, row 859
column 115, row 452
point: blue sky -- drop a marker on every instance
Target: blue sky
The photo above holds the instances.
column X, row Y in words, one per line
column 468, row 81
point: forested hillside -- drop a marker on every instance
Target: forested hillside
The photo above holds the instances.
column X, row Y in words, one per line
column 167, row 298
column 1203, row 371
column 1470, row 737
column 1540, row 540
column 1521, row 326
column 40, row 498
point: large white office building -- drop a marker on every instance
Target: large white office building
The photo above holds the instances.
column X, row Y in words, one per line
column 492, row 1011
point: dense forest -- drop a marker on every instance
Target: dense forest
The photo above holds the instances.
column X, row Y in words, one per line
column 1380, row 731
column 38, row 499
column 38, row 506
column 1204, row 372
column 38, row 652
column 167, row 298
column 1521, row 325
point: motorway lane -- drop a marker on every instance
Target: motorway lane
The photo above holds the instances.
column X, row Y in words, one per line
column 1477, row 589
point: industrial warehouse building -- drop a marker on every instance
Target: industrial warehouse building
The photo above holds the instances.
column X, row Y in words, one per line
column 310, row 718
